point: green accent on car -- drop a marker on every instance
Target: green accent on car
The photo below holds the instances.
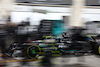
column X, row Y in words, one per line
column 55, row 54
column 33, row 51
column 55, row 51
column 53, row 47
column 48, row 37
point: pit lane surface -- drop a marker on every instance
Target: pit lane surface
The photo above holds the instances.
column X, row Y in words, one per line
column 85, row 61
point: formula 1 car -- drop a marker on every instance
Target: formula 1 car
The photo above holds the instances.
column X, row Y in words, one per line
column 34, row 49
column 52, row 46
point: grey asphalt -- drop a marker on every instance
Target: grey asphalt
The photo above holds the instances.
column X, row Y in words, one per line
column 85, row 61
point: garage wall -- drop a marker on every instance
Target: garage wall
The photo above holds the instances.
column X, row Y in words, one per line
column 91, row 14
column 53, row 13
column 35, row 18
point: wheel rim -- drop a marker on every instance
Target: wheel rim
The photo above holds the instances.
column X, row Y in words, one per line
column 33, row 51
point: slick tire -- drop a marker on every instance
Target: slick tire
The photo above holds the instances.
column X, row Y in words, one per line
column 96, row 49
column 33, row 51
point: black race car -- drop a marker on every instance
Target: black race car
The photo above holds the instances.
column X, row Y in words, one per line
column 55, row 47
